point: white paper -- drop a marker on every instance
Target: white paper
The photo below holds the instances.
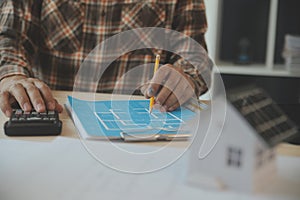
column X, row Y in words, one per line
column 62, row 169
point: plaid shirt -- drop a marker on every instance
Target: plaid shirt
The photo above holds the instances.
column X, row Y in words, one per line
column 49, row 39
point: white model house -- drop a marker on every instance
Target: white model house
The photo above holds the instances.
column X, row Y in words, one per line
column 238, row 152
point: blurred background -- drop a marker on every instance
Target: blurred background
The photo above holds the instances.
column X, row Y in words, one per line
column 258, row 42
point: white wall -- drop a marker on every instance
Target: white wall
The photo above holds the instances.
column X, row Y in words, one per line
column 212, row 7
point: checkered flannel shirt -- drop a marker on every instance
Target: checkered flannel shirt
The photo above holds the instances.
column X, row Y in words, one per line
column 49, row 39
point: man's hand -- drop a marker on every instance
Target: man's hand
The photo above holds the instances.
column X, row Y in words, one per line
column 171, row 88
column 29, row 93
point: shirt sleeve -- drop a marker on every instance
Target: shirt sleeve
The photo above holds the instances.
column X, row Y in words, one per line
column 190, row 19
column 17, row 26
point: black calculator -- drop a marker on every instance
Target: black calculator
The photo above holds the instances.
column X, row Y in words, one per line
column 33, row 123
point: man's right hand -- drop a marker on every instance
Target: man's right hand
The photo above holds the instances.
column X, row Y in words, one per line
column 29, row 93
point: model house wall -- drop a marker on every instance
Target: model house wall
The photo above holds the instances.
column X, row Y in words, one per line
column 240, row 160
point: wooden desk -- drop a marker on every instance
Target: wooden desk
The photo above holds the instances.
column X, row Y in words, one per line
column 69, row 129
column 59, row 167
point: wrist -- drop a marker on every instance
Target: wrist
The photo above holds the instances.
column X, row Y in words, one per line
column 13, row 76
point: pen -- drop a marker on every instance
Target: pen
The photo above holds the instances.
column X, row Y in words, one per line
column 155, row 69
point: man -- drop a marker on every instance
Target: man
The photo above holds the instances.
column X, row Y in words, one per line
column 44, row 42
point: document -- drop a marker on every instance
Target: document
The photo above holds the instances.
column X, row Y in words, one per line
column 123, row 119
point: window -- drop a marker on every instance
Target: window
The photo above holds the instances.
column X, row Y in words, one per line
column 234, row 158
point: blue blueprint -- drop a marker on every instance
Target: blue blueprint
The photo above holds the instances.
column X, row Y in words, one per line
column 110, row 118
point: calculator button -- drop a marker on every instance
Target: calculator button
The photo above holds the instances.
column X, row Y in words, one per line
column 23, row 116
column 52, row 119
column 34, row 118
column 51, row 112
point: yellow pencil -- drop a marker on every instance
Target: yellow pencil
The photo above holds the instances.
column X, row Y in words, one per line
column 155, row 69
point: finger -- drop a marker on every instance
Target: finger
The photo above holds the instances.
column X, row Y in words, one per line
column 180, row 94
column 35, row 97
column 46, row 94
column 171, row 86
column 59, row 108
column 159, row 107
column 158, row 80
column 175, row 99
column 170, row 81
column 144, row 90
column 181, row 99
column 4, row 104
column 173, row 107
column 17, row 90
column 162, row 96
column 148, row 92
column 171, row 101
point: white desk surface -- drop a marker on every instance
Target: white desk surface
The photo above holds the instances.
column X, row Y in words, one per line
column 61, row 168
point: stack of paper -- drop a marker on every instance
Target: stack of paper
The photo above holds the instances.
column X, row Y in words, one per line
column 291, row 53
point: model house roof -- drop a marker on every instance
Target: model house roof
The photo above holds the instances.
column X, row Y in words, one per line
column 263, row 114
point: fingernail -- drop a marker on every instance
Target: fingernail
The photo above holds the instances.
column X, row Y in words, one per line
column 51, row 105
column 26, row 106
column 150, row 91
column 40, row 107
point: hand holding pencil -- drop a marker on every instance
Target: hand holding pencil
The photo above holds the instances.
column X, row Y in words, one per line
column 169, row 88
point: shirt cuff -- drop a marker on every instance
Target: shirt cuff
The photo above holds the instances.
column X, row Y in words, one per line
column 12, row 70
column 201, row 86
